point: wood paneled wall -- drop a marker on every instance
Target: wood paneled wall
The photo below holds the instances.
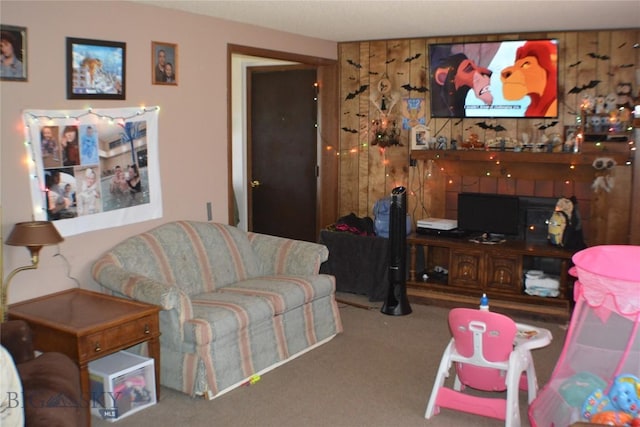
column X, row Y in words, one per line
column 369, row 172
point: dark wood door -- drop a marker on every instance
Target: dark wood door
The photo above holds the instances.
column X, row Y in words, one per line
column 282, row 151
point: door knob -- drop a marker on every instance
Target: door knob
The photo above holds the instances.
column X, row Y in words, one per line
column 255, row 183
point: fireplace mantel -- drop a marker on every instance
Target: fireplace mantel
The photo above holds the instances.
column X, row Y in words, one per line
column 520, row 157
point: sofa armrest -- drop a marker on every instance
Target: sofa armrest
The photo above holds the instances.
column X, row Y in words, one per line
column 141, row 288
column 287, row 256
column 15, row 336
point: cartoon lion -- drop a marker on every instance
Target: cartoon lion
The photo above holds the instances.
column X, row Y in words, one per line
column 534, row 74
column 452, row 79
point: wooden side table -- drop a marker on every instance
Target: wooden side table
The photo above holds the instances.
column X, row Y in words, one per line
column 88, row 325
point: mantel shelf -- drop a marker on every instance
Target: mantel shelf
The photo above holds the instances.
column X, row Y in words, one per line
column 518, row 157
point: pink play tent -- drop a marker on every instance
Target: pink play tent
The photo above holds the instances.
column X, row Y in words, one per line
column 602, row 341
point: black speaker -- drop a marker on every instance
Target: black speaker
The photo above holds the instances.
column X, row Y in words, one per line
column 397, row 303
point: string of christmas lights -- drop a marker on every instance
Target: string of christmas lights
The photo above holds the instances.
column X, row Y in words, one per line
column 33, row 120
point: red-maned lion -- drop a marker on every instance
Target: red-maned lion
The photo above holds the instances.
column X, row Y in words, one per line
column 534, row 74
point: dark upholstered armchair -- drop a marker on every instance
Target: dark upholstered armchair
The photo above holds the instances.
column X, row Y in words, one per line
column 50, row 382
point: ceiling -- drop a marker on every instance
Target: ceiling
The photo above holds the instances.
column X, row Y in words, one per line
column 339, row 20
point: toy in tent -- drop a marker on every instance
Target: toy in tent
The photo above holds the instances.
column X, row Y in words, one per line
column 596, row 376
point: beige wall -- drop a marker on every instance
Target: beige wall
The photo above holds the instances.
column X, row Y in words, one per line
column 192, row 121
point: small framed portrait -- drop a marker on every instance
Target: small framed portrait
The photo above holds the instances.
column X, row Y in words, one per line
column 96, row 69
column 420, row 137
column 13, row 57
column 572, row 138
column 164, row 63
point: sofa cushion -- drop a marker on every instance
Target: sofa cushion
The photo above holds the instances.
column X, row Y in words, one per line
column 199, row 256
column 283, row 292
column 227, row 313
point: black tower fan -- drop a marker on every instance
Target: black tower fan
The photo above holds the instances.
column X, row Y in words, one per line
column 397, row 303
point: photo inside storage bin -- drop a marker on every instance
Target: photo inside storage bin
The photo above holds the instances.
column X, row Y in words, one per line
column 121, row 384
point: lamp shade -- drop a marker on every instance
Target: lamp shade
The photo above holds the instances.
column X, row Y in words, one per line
column 34, row 233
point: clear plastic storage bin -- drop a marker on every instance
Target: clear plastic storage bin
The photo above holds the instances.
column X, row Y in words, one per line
column 121, row 385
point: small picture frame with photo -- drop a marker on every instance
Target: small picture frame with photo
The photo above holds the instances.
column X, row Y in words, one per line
column 420, row 137
column 13, row 40
column 571, row 142
column 164, row 63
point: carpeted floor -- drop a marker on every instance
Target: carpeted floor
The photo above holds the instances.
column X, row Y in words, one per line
column 378, row 373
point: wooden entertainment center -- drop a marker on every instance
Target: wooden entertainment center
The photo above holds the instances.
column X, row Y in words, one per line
column 495, row 269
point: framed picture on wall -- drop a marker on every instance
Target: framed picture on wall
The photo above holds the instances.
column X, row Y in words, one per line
column 96, row 69
column 420, row 137
column 164, row 63
column 13, row 60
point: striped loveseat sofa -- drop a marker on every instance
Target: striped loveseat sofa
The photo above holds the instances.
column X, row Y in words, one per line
column 234, row 304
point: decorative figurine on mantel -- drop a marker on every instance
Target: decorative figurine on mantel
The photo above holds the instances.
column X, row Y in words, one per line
column 570, row 141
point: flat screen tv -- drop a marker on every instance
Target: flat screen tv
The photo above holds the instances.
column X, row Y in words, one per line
column 497, row 79
column 494, row 214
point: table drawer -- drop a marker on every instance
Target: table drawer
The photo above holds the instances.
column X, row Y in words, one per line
column 127, row 333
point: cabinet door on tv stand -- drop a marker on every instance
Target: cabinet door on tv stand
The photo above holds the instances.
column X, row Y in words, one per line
column 503, row 273
column 466, row 268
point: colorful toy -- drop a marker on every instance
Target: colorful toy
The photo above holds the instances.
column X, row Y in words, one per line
column 620, row 407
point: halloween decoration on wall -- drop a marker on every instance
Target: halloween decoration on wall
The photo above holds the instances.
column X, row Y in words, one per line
column 590, row 85
column 385, row 129
column 604, row 179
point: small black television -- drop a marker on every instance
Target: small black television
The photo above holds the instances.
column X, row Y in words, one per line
column 494, row 214
column 494, row 79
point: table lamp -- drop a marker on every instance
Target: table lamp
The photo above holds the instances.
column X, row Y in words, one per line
column 34, row 235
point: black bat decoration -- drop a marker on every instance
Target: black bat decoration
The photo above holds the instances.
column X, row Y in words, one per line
column 352, row 95
column 575, row 64
column 411, row 58
column 373, row 73
column 346, row 129
column 352, row 62
column 420, row 89
column 622, row 45
column 590, row 85
column 596, row 56
column 626, row 65
column 389, row 61
column 547, row 126
column 497, row 128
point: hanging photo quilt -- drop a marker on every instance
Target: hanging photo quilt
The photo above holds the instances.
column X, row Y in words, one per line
column 94, row 169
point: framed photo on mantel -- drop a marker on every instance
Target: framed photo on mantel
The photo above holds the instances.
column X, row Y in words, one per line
column 420, row 137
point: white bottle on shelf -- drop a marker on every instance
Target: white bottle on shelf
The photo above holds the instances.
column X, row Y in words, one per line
column 484, row 303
